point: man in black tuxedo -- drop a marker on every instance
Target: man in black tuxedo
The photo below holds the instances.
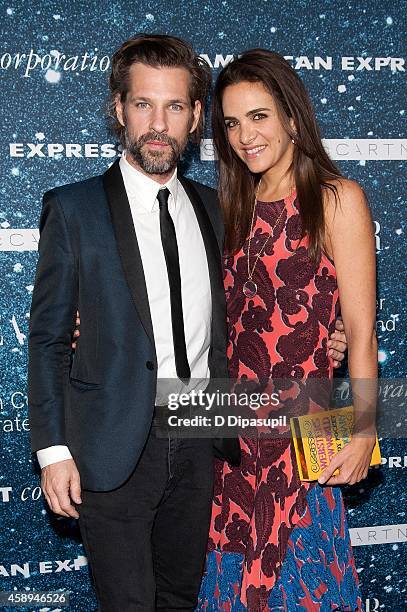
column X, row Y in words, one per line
column 138, row 252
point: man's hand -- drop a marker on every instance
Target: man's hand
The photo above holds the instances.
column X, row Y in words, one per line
column 61, row 485
column 337, row 344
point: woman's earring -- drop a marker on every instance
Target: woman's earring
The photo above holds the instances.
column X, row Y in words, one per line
column 292, row 140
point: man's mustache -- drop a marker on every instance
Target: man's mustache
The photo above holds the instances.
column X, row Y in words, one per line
column 158, row 138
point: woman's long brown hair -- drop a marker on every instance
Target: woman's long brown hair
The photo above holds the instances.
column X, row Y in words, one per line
column 312, row 169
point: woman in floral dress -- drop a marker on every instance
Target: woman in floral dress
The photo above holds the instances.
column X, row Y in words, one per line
column 299, row 239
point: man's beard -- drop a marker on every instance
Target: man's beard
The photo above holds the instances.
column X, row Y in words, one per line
column 155, row 162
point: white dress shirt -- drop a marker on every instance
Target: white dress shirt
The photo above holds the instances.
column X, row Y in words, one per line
column 195, row 284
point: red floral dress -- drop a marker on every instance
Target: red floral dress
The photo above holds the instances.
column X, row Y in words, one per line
column 277, row 543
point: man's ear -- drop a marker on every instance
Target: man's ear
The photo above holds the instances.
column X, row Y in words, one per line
column 119, row 110
column 196, row 113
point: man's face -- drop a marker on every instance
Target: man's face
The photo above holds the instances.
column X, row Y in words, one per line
column 157, row 117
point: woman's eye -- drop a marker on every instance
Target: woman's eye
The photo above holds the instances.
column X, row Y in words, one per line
column 259, row 116
column 230, row 124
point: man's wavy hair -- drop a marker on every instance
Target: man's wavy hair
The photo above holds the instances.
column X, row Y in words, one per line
column 158, row 51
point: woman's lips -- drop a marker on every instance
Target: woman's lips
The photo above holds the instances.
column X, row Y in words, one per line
column 254, row 152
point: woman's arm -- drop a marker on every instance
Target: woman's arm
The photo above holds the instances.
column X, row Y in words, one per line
column 350, row 240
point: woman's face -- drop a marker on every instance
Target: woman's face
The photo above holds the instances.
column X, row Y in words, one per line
column 254, row 128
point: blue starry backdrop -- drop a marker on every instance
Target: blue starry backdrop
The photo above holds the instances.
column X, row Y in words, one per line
column 54, row 67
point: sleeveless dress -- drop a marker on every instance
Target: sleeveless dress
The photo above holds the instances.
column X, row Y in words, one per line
column 277, row 543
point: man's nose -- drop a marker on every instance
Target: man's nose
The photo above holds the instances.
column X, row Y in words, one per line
column 158, row 121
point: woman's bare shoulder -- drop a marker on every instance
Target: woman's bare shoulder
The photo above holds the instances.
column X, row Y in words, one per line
column 344, row 197
column 343, row 191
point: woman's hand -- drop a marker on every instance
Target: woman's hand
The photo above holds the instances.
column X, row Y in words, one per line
column 76, row 333
column 352, row 462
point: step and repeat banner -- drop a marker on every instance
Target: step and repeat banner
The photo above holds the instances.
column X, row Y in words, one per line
column 54, row 66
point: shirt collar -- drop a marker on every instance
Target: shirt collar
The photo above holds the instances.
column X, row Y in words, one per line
column 142, row 190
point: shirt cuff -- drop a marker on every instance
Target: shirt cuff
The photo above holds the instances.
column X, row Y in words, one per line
column 53, row 454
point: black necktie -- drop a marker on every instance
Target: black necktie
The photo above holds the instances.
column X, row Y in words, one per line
column 170, row 247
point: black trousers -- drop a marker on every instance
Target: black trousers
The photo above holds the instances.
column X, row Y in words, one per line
column 146, row 541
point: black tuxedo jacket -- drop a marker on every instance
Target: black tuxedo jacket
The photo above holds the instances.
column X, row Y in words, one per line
column 99, row 400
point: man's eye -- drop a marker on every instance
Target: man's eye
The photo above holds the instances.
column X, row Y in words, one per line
column 176, row 107
column 142, row 105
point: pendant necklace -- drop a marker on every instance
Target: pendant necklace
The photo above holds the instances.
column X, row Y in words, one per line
column 250, row 287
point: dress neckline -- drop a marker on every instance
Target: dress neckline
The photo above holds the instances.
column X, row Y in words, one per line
column 290, row 196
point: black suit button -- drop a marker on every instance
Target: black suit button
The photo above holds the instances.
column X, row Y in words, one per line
column 150, row 365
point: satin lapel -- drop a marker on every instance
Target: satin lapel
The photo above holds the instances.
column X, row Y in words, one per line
column 127, row 244
column 213, row 255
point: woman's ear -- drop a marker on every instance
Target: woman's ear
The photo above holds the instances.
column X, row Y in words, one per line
column 293, row 126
